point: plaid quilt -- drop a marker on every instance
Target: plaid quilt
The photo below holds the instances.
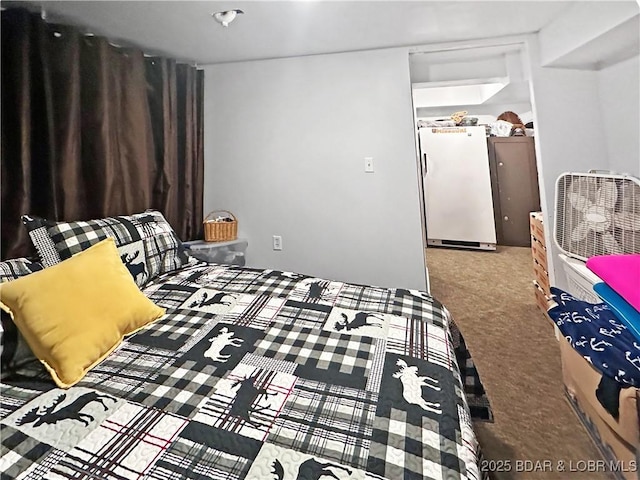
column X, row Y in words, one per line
column 256, row 374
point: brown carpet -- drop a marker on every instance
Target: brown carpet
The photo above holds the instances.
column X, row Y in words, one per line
column 490, row 296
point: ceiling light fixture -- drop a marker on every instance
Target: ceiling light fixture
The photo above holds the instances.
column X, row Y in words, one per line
column 226, row 17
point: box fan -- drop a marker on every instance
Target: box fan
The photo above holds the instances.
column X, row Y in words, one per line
column 597, row 213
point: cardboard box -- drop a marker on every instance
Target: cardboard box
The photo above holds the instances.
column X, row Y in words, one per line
column 536, row 225
column 542, row 278
column 539, row 253
column 541, row 298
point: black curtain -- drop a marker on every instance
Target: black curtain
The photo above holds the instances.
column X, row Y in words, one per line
column 92, row 130
column 175, row 101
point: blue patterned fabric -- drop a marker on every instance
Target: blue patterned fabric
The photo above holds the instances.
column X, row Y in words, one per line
column 597, row 334
column 623, row 309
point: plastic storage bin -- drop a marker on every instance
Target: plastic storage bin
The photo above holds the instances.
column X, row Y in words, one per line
column 230, row 253
column 580, row 279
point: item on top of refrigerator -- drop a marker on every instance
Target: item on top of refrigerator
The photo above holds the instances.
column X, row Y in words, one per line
column 518, row 127
column 510, row 117
column 501, row 128
column 436, row 123
column 469, row 121
column 529, row 130
column 458, row 116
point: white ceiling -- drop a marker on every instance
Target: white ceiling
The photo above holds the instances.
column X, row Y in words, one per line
column 271, row 29
column 607, row 49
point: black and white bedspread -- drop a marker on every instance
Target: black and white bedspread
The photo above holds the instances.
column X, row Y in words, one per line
column 256, row 374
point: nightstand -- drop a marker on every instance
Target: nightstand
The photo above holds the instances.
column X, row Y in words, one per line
column 230, row 253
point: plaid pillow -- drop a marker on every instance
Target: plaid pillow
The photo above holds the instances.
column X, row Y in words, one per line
column 16, row 268
column 148, row 245
column 15, row 354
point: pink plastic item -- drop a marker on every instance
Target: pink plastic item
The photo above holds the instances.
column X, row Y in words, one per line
column 621, row 273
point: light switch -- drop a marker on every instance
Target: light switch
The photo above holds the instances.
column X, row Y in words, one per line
column 368, row 164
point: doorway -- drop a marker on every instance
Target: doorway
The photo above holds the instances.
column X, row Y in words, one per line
column 473, row 196
column 490, row 294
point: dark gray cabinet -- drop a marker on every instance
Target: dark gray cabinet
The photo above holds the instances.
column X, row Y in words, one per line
column 514, row 184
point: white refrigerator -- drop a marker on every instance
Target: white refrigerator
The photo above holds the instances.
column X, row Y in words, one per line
column 457, row 187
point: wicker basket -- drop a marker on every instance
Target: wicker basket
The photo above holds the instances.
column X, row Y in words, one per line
column 220, row 231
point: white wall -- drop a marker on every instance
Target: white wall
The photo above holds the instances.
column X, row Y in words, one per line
column 438, row 72
column 299, row 173
column 285, row 142
column 583, row 22
column 488, row 110
column 619, row 92
column 569, row 134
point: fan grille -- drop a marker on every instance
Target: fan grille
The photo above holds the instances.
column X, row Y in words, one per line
column 597, row 214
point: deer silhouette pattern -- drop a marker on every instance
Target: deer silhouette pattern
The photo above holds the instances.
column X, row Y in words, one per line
column 150, row 223
column 247, row 400
column 414, row 294
column 224, row 339
column 412, row 387
column 135, row 268
column 72, row 412
column 212, row 301
column 275, row 462
column 148, row 218
column 310, row 470
column 314, row 290
column 282, row 276
column 357, row 322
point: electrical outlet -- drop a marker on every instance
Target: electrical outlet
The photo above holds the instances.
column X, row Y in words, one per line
column 277, row 242
column 368, row 164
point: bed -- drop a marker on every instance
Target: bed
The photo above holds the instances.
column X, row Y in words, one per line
column 255, row 374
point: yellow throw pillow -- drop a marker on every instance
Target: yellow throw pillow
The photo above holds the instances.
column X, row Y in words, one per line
column 77, row 312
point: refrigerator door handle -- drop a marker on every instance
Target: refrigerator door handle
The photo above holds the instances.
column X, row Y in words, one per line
column 424, row 163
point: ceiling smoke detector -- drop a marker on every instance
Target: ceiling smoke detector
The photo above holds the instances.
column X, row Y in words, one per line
column 226, row 17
